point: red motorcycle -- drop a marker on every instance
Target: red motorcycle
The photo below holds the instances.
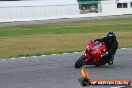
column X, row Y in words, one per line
column 92, row 55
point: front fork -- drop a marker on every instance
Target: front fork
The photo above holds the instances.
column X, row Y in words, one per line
column 88, row 60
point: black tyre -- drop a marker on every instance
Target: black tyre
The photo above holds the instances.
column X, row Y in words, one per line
column 79, row 63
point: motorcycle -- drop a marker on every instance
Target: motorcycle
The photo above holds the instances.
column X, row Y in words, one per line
column 92, row 55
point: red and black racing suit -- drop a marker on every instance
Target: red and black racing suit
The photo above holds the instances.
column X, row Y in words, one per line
column 112, row 47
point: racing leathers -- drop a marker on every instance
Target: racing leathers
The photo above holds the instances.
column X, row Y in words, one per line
column 112, row 47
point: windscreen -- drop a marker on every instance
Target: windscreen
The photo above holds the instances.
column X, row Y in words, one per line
column 96, row 46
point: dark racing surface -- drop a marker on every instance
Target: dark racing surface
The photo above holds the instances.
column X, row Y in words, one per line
column 57, row 71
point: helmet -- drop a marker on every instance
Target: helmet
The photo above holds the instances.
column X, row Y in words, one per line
column 111, row 36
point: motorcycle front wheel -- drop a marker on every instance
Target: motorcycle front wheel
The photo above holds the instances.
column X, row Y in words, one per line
column 80, row 62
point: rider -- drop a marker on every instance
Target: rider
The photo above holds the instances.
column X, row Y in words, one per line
column 112, row 45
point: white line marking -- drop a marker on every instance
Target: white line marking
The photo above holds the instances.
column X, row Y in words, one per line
column 43, row 55
column 76, row 52
column 3, row 59
column 13, row 58
column 53, row 54
column 65, row 53
column 123, row 48
column 50, row 54
column 22, row 57
column 34, row 56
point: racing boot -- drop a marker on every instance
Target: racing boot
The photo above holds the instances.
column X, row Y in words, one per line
column 111, row 60
column 107, row 60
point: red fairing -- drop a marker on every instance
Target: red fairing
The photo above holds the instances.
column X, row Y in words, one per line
column 87, row 55
column 94, row 51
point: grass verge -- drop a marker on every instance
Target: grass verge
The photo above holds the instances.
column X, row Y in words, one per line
column 60, row 37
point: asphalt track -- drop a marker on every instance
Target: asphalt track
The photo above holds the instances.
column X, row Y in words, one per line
column 57, row 71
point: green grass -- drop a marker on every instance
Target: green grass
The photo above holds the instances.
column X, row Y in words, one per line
column 60, row 37
column 124, row 25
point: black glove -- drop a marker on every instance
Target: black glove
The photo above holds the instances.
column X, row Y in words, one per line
column 105, row 55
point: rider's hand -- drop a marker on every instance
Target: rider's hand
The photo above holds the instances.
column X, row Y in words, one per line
column 103, row 42
column 104, row 55
column 86, row 50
